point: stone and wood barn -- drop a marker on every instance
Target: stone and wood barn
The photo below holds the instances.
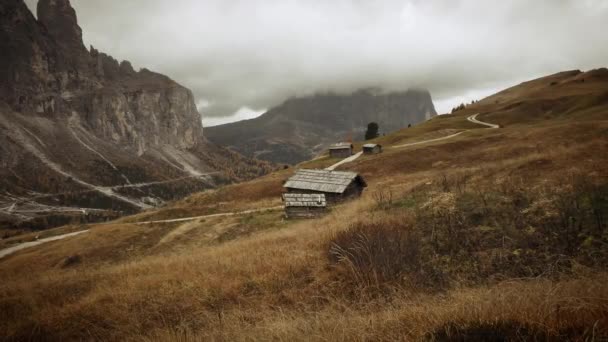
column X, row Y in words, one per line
column 304, row 205
column 337, row 186
column 372, row 148
column 341, row 150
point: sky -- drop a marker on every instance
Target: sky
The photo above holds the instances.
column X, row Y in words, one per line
column 241, row 57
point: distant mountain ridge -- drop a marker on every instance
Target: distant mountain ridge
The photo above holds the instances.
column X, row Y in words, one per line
column 300, row 128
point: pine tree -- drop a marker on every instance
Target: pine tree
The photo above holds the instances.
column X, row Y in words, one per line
column 372, row 131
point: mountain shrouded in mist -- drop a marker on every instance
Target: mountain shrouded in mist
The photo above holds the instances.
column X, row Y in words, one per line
column 300, row 128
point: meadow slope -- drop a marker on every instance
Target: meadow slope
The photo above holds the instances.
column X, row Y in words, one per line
column 494, row 234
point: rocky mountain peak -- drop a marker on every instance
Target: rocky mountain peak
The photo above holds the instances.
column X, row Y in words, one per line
column 59, row 18
column 80, row 124
column 45, row 69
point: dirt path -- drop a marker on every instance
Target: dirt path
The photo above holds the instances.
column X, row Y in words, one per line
column 430, row 140
column 211, row 215
column 472, row 118
column 202, row 176
column 30, row 147
column 11, row 250
column 344, row 161
column 74, row 127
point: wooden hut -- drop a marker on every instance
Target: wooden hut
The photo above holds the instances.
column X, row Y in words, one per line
column 372, row 148
column 337, row 186
column 341, row 150
column 304, row 205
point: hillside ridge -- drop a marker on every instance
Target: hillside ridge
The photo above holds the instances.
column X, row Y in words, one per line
column 492, row 234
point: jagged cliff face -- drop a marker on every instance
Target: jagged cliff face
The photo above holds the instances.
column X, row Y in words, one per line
column 80, row 130
column 59, row 18
column 141, row 118
column 47, row 70
column 301, row 128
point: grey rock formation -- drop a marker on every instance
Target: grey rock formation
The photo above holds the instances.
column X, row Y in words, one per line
column 81, row 127
column 59, row 18
column 47, row 70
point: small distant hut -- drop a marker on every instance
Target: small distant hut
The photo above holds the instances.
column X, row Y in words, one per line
column 337, row 186
column 304, row 205
column 372, row 148
column 341, row 150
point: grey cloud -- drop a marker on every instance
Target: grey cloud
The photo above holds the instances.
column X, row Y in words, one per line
column 246, row 53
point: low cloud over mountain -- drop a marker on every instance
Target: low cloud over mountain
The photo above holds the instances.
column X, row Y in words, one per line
column 254, row 54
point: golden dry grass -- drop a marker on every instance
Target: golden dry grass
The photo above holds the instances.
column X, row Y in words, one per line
column 271, row 286
column 259, row 277
column 263, row 192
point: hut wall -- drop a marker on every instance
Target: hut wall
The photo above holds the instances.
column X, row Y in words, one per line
column 330, row 197
column 353, row 191
column 341, row 153
column 304, row 212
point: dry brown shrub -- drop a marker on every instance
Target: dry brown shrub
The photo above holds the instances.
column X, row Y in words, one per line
column 383, row 254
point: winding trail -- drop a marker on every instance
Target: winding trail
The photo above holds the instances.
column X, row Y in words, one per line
column 24, row 137
column 30, row 202
column 235, row 213
column 344, row 161
column 430, row 140
column 29, row 146
column 11, row 250
column 14, row 249
column 472, row 118
column 202, row 176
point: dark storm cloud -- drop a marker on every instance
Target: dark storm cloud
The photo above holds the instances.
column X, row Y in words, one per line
column 255, row 54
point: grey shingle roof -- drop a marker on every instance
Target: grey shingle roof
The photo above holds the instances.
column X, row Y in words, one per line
column 305, row 200
column 323, row 180
column 370, row 145
column 340, row 146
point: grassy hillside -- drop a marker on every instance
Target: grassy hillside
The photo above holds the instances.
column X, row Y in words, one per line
column 494, row 234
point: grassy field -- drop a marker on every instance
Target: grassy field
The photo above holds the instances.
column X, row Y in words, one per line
column 492, row 235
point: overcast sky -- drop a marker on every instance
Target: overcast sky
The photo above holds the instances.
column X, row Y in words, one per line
column 241, row 57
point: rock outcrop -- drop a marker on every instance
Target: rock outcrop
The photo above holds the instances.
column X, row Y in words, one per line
column 77, row 121
column 59, row 18
column 300, row 128
column 49, row 71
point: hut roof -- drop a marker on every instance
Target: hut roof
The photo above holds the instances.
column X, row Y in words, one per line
column 341, row 146
column 323, row 180
column 305, row 200
column 370, row 145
